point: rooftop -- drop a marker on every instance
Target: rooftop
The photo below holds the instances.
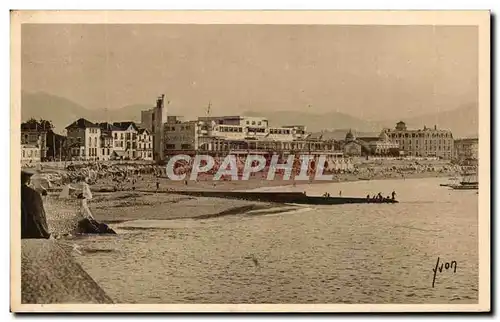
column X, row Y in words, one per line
column 122, row 126
column 81, row 124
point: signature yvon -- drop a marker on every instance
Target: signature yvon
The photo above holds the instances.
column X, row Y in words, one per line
column 447, row 266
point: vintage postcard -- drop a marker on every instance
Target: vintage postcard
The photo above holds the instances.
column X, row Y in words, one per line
column 302, row 161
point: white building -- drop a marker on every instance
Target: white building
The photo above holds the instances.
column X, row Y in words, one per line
column 124, row 141
column 145, row 145
column 239, row 134
column 84, row 140
column 106, row 140
column 30, row 153
column 424, row 142
column 179, row 135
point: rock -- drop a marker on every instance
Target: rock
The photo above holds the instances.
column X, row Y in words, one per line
column 88, row 226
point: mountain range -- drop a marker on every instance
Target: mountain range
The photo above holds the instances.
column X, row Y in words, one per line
column 463, row 121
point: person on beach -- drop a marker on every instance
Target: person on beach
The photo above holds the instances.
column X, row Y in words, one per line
column 340, row 193
column 33, row 218
column 393, row 195
column 157, row 185
column 88, row 224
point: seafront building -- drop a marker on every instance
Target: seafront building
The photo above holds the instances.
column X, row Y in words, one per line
column 33, row 141
column 424, row 142
column 145, row 145
column 104, row 141
column 380, row 145
column 466, row 148
column 30, row 153
column 84, row 141
column 239, row 135
column 125, row 140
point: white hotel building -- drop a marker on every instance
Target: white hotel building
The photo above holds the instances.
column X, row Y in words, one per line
column 239, row 135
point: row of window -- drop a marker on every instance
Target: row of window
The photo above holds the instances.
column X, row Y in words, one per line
column 420, row 135
column 433, row 147
column 183, row 146
column 30, row 153
column 254, row 123
column 145, row 146
column 127, row 136
column 279, row 131
column 435, row 141
column 180, row 128
column 176, row 138
column 229, row 129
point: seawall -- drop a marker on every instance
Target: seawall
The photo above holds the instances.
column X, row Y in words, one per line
column 50, row 275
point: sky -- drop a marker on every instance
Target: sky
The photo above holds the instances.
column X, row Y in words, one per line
column 371, row 72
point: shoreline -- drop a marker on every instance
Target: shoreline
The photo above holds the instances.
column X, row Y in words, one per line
column 147, row 204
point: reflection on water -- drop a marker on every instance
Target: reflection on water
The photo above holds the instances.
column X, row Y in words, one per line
column 377, row 253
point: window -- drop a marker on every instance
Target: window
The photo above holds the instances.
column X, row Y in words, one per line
column 121, row 136
column 253, row 122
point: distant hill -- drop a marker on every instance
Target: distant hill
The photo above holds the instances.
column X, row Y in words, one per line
column 317, row 122
column 59, row 110
column 63, row 111
column 463, row 121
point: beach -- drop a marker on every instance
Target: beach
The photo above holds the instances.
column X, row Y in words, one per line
column 148, row 203
column 325, row 254
column 154, row 225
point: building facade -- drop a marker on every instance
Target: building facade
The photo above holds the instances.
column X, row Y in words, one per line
column 466, row 149
column 106, row 140
column 32, row 134
column 352, row 147
column 240, row 135
column 145, row 145
column 124, row 140
column 30, row 154
column 179, row 135
column 381, row 145
column 424, row 142
column 84, row 140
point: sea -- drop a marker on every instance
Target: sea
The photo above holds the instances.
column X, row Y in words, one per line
column 365, row 253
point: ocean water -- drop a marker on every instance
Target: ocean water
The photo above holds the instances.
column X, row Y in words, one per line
column 330, row 254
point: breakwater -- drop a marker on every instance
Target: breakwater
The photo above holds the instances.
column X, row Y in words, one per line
column 281, row 197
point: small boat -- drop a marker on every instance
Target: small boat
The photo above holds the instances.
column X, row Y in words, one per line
column 465, row 187
column 366, row 179
column 468, row 182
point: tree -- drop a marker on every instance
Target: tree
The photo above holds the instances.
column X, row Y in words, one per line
column 44, row 125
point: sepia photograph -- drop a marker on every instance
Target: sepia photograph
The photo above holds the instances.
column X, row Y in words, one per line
column 316, row 161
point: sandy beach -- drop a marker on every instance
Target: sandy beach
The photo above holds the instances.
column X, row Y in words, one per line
column 142, row 201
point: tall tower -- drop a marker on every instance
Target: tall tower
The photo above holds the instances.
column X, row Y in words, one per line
column 159, row 118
